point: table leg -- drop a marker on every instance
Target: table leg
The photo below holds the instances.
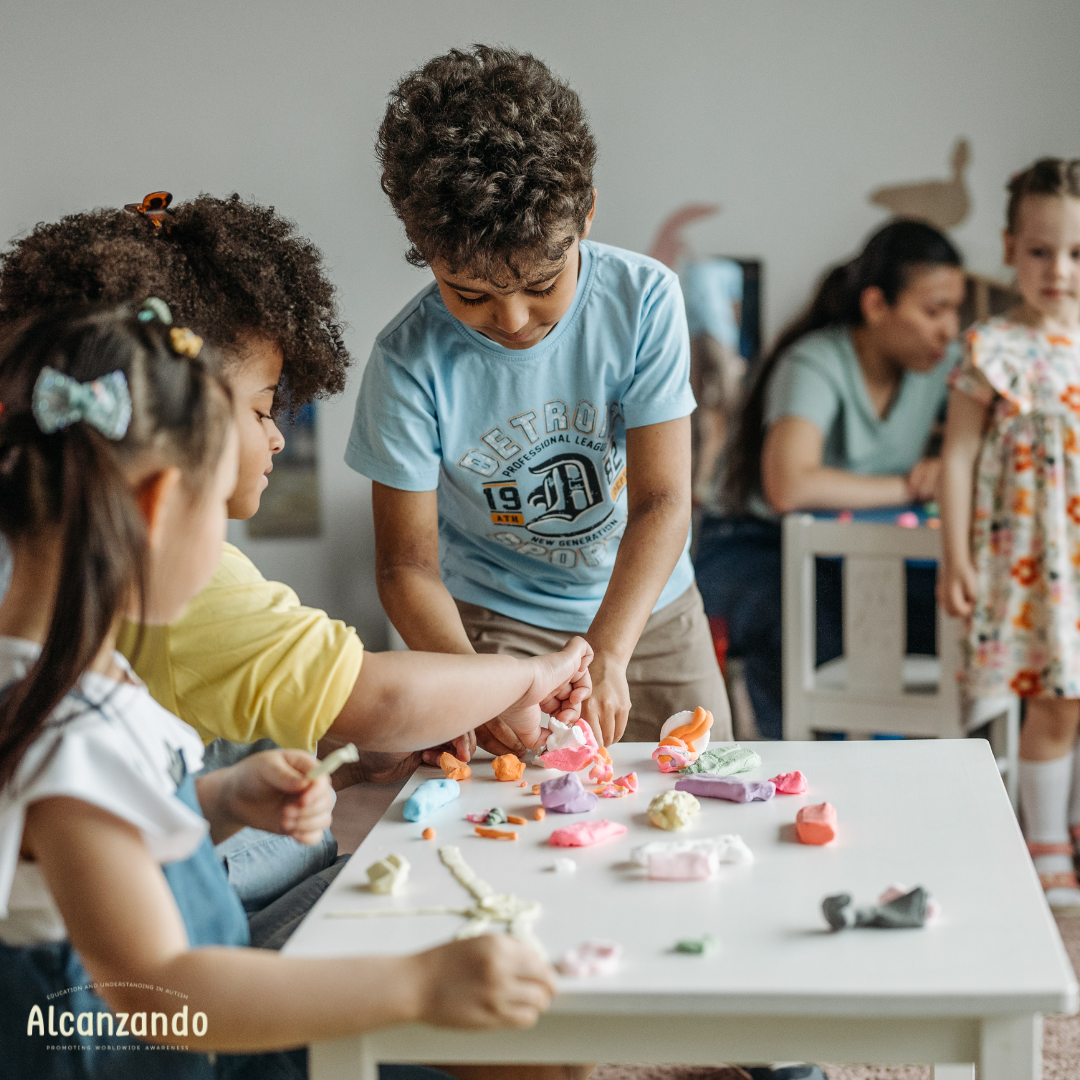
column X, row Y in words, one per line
column 345, row 1059
column 1011, row 1048
column 954, row 1072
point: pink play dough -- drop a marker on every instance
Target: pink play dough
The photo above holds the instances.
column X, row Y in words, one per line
column 586, row 833
column 572, row 758
column 790, row 783
column 592, row 957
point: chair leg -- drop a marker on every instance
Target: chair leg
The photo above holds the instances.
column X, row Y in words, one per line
column 1012, row 753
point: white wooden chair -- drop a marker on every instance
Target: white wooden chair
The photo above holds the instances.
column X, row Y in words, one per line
column 874, row 687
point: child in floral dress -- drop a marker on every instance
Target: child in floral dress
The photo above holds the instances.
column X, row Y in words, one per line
column 1011, row 506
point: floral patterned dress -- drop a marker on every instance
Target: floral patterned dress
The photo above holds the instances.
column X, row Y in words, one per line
column 1024, row 634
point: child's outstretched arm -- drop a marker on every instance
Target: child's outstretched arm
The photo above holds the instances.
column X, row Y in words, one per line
column 406, row 701
column 964, row 427
column 123, row 920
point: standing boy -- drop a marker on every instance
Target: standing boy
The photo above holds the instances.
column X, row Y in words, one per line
column 526, row 418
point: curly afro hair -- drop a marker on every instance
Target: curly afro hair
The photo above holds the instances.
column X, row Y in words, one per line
column 227, row 268
column 487, row 158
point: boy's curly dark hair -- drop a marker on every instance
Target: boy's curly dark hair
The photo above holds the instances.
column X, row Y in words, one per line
column 227, row 268
column 485, row 154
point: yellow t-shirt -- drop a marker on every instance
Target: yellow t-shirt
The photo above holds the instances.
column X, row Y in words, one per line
column 246, row 661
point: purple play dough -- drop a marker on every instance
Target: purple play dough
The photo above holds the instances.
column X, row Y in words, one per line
column 727, row 787
column 565, row 795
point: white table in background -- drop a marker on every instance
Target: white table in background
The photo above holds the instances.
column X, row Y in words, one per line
column 971, row 989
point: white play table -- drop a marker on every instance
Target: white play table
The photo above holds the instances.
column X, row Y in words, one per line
column 970, row 990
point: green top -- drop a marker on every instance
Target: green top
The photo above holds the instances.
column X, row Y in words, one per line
column 819, row 379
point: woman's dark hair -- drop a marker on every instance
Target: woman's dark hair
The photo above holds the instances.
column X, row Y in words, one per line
column 1048, row 176
column 487, row 159
column 889, row 261
column 227, row 268
column 76, row 483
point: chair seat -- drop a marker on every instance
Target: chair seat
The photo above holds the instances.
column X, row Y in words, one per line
column 920, row 675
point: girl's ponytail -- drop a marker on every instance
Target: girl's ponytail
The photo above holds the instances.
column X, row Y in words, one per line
column 72, row 486
column 888, row 261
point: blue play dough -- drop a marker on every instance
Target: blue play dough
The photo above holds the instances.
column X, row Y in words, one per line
column 428, row 797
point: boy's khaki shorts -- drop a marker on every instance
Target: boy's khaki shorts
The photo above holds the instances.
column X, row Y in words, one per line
column 673, row 667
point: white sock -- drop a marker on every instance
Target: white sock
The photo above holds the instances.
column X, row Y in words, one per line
column 1044, row 808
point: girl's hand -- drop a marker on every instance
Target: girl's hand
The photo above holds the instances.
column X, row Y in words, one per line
column 271, row 791
column 492, row 981
column 924, row 481
column 957, row 585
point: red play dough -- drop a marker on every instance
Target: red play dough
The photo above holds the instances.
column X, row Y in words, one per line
column 586, row 833
column 790, row 783
column 816, row 824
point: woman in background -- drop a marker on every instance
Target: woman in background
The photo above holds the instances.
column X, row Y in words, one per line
column 837, row 417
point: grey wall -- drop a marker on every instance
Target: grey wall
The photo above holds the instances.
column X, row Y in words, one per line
column 787, row 112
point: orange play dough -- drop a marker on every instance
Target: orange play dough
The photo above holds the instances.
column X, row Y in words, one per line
column 513, row 819
column 816, row 824
column 428, row 834
column 495, row 834
column 508, row 767
column 539, row 813
column 454, row 769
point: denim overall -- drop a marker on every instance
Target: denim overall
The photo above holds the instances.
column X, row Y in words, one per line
column 213, row 915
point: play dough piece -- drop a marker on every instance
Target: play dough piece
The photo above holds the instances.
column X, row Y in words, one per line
column 672, row 758
column 724, row 761
column 894, row 892
column 620, row 786
column 908, row 520
column 508, row 767
column 690, row 728
column 333, row 761
column 564, row 866
column 690, row 860
column 565, row 795
column 454, row 769
column 428, row 797
column 816, row 824
column 495, row 834
column 701, row 946
column 590, row 958
column 907, row 911
column 586, row 833
column 731, row 788
column 428, row 833
column 673, row 810
column 513, row 819
column 539, row 813
column 790, row 783
column 602, row 769
column 388, row 875
column 569, row 747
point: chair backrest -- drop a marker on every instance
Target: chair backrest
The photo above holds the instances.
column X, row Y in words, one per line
column 873, row 688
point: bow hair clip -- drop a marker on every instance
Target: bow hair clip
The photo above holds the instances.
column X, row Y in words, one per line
column 58, row 401
column 154, row 207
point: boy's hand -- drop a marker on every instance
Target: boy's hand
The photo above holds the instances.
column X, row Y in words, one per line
column 271, row 791
column 492, row 981
column 957, row 587
column 608, row 708
column 561, row 683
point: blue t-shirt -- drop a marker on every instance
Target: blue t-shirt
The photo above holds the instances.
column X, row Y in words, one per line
column 527, row 447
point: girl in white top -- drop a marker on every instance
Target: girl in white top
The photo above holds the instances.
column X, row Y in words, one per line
column 117, row 456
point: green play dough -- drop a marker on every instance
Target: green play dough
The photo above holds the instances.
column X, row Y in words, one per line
column 698, row 946
column 724, row 761
column 496, row 816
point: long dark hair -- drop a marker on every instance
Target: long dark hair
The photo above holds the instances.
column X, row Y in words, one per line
column 76, row 482
column 891, row 257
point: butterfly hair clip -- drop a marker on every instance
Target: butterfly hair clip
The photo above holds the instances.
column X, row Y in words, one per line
column 155, row 208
